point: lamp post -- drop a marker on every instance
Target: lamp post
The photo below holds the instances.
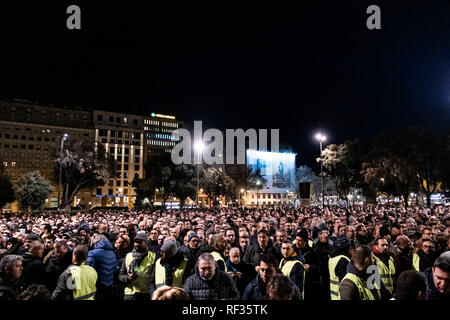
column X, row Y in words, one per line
column 321, row 138
column 198, row 146
column 257, row 191
column 242, row 191
column 63, row 138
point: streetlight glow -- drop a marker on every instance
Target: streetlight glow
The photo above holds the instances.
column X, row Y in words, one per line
column 321, row 137
column 199, row 146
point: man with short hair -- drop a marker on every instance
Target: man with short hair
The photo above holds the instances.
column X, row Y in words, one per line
column 424, row 257
column 241, row 272
column 33, row 268
column 191, row 252
column 210, row 283
column 292, row 265
column 219, row 244
column 78, row 281
column 410, row 285
column 230, row 237
column 59, row 261
column 438, row 278
column 280, row 287
column 263, row 246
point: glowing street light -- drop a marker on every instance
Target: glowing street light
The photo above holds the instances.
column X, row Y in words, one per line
column 63, row 138
column 321, row 138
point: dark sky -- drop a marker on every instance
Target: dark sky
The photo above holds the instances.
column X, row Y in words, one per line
column 234, row 64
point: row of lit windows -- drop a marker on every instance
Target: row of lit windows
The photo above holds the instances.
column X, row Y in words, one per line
column 160, row 143
column 152, row 122
column 159, row 136
column 269, row 195
column 118, row 134
column 119, row 120
column 120, row 141
column 169, row 124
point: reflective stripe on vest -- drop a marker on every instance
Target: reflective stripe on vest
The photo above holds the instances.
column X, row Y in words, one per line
column 387, row 273
column 84, row 280
column 287, row 268
column 416, row 262
column 141, row 284
column 218, row 257
column 177, row 275
column 334, row 279
column 364, row 292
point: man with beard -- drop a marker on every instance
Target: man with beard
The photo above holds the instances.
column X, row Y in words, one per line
column 170, row 269
column 136, row 269
column 362, row 237
column 424, row 256
column 219, row 245
column 385, row 263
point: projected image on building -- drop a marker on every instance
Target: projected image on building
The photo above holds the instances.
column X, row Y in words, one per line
column 277, row 168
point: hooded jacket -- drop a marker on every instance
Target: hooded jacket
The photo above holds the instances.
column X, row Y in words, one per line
column 220, row 287
column 103, row 259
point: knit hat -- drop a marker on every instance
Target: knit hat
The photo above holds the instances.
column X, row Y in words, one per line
column 170, row 248
column 141, row 235
column 31, row 236
column 192, row 235
column 323, row 227
column 303, row 233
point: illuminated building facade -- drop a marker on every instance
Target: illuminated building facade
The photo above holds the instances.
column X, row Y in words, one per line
column 123, row 137
column 158, row 131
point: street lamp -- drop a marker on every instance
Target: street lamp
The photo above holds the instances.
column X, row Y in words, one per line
column 321, row 138
column 63, row 138
column 198, row 146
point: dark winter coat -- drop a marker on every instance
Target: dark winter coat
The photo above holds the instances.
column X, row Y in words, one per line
column 297, row 272
column 33, row 271
column 323, row 252
column 191, row 255
column 341, row 267
column 254, row 253
column 312, row 277
column 220, row 287
column 432, row 292
column 257, row 290
column 55, row 267
column 154, row 247
column 103, row 259
column 248, row 273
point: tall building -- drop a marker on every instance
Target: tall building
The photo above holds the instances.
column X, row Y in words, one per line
column 123, row 137
column 30, row 139
column 158, row 131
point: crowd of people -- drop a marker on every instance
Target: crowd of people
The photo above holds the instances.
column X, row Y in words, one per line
column 355, row 253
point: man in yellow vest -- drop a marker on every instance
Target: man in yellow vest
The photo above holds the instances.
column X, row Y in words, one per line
column 337, row 264
column 358, row 283
column 78, row 281
column 292, row 266
column 219, row 244
column 385, row 264
column 170, row 269
column 136, row 269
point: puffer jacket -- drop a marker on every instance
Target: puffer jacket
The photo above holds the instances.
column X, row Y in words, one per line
column 220, row 287
column 103, row 259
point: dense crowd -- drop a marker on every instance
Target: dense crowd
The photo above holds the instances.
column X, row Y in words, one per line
column 227, row 254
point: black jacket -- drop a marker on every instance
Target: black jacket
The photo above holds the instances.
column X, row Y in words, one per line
column 312, row 277
column 191, row 255
column 248, row 273
column 257, row 290
column 33, row 271
column 154, row 247
column 297, row 272
column 341, row 267
column 55, row 267
column 254, row 253
column 220, row 287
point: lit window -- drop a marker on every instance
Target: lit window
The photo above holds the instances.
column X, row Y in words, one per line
column 125, row 120
column 13, row 164
column 5, row 164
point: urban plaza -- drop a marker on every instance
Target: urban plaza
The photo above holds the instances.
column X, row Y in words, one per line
column 224, row 156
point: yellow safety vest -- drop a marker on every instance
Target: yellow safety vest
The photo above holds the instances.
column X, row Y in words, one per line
column 364, row 292
column 310, row 243
column 218, row 257
column 84, row 280
column 177, row 275
column 416, row 262
column 287, row 268
column 387, row 273
column 334, row 279
column 141, row 284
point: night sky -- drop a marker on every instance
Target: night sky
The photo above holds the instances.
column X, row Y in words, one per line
column 295, row 67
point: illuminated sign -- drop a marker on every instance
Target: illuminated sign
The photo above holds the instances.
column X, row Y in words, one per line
column 158, row 115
